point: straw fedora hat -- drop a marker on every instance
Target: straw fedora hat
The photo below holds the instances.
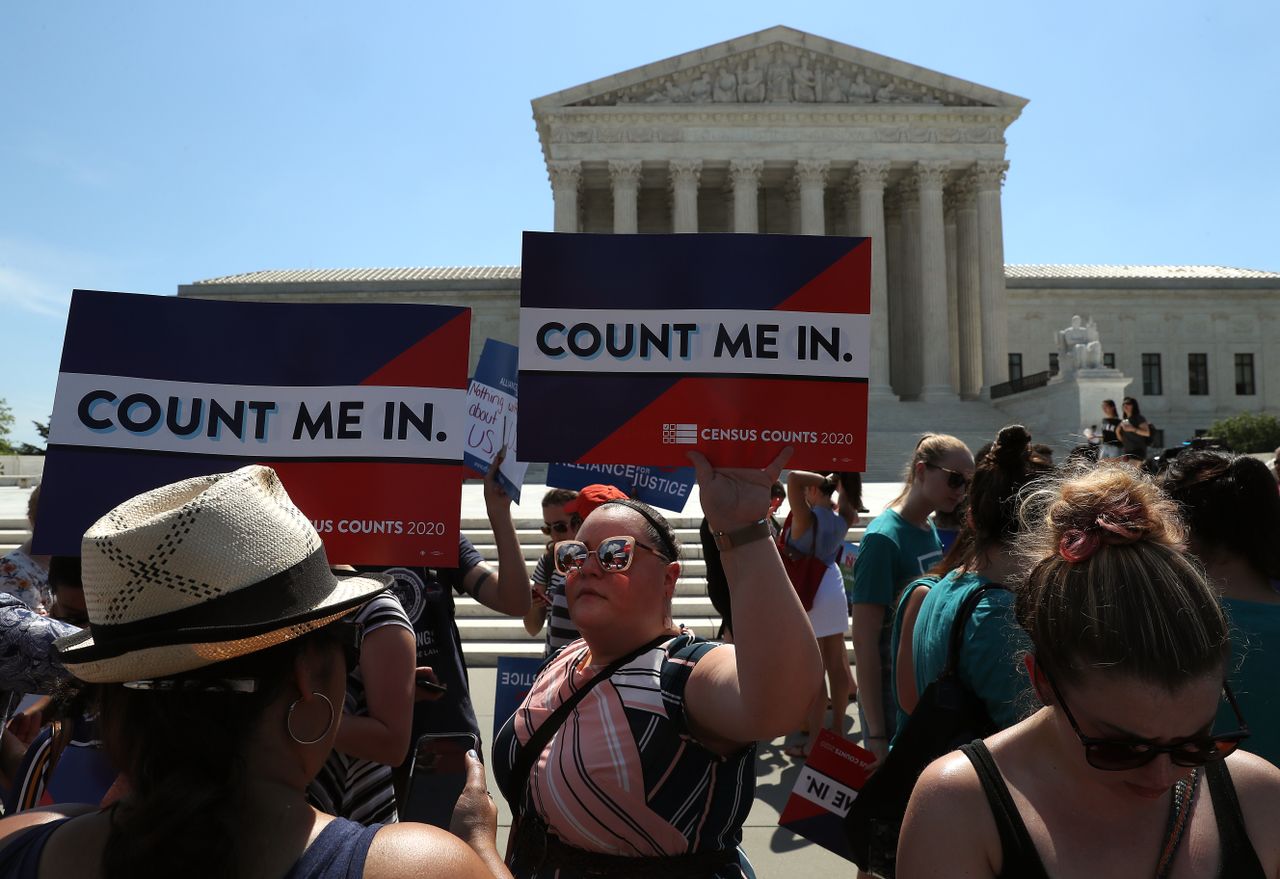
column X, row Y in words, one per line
column 200, row 571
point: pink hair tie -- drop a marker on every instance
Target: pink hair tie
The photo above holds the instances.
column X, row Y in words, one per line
column 1078, row 544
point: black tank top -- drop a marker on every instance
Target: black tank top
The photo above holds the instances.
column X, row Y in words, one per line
column 1022, row 861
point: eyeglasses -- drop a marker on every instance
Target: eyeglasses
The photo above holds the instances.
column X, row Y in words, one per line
column 560, row 526
column 350, row 635
column 955, row 479
column 614, row 554
column 1115, row 755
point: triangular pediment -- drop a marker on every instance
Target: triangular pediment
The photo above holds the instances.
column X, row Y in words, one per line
column 779, row 65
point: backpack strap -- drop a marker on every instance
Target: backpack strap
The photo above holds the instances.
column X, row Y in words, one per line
column 961, row 620
column 530, row 751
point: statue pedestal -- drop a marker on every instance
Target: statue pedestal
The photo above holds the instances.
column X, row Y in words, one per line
column 1059, row 412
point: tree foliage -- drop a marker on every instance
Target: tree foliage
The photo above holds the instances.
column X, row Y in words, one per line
column 1248, row 432
column 6, row 426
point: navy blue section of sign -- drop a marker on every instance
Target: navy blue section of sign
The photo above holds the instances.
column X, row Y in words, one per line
column 198, row 340
column 584, row 408
column 693, row 271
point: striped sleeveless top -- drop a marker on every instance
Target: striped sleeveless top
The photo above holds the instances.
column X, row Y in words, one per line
column 624, row 775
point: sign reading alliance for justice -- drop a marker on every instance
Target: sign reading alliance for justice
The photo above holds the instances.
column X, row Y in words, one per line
column 641, row 347
column 360, row 408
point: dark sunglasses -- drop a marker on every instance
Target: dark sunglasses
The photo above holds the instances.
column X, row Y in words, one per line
column 560, row 526
column 349, row 634
column 1114, row 755
column 955, row 479
column 614, row 554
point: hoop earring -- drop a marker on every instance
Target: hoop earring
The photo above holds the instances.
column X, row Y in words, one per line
column 288, row 721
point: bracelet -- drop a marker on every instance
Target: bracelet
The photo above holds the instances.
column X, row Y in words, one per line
column 758, row 530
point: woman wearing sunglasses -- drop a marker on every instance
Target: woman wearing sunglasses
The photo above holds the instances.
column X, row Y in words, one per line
column 633, row 753
column 900, row 545
column 1123, row 772
column 548, row 605
column 222, row 644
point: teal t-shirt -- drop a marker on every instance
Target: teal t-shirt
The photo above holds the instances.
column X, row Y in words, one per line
column 893, row 552
column 989, row 653
column 1255, row 653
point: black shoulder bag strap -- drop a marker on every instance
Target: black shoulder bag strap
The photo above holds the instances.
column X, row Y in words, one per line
column 531, row 750
column 962, row 620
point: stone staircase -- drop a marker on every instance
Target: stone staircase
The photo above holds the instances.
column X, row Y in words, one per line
column 13, row 533
column 486, row 635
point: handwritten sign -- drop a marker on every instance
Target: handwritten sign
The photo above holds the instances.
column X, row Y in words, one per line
column 491, row 416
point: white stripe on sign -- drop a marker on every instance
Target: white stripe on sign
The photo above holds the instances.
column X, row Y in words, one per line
column 825, row 791
column 712, row 341
column 258, row 421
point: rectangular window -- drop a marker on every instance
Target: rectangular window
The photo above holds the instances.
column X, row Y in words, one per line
column 1152, row 385
column 1109, row 360
column 1244, row 375
column 1198, row 375
column 1053, row 363
column 1015, row 367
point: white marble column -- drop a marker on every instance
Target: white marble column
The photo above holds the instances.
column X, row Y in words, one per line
column 744, row 177
column 684, row 194
column 871, row 177
column 624, row 176
column 968, row 287
column 895, row 257
column 914, row 339
column 935, row 337
column 811, row 179
column 953, row 326
column 791, row 193
column 566, row 176
column 988, row 177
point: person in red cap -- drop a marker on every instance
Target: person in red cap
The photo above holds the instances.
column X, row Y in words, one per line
column 590, row 497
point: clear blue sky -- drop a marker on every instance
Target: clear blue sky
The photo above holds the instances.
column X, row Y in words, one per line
column 149, row 144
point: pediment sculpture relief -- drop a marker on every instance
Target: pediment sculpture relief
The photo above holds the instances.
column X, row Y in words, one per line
column 778, row 75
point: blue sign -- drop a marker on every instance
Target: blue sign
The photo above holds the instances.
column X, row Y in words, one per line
column 515, row 679
column 664, row 487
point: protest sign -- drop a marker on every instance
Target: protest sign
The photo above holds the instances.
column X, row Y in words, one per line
column 828, row 784
column 515, row 679
column 666, row 488
column 643, row 347
column 491, row 416
column 358, row 407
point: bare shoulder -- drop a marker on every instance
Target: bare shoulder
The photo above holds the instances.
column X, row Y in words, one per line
column 411, row 849
column 11, row 827
column 948, row 829
column 1257, row 784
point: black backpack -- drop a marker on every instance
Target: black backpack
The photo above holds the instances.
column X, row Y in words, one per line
column 947, row 716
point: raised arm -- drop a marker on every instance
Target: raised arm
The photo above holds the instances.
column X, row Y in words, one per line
column 747, row 691
column 801, row 515
column 507, row 591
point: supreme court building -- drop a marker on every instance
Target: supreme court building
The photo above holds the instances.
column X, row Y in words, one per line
column 782, row 131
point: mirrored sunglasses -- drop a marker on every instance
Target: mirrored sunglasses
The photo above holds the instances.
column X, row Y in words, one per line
column 1115, row 755
column 955, row 479
column 614, row 554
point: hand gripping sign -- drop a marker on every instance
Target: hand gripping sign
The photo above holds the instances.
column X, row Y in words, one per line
column 358, row 407
column 638, row 348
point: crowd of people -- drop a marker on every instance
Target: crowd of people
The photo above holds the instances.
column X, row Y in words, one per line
column 243, row 705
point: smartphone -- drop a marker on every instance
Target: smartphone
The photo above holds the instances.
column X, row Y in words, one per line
column 437, row 775
column 431, row 686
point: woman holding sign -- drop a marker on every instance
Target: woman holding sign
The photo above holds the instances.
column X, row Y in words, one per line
column 633, row 752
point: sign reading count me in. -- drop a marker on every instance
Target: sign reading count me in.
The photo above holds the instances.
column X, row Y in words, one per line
column 358, row 407
column 639, row 348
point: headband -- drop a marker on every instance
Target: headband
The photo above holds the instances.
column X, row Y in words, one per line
column 667, row 545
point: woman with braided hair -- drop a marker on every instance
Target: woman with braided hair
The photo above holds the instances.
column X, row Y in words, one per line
column 1123, row 772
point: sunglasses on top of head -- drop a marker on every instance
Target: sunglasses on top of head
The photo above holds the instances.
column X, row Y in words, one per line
column 955, row 479
column 615, row 554
column 1117, row 754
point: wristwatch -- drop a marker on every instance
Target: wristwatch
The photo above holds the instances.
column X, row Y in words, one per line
column 758, row 530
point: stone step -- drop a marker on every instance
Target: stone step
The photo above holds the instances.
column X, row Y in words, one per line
column 693, row 604
column 15, row 536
